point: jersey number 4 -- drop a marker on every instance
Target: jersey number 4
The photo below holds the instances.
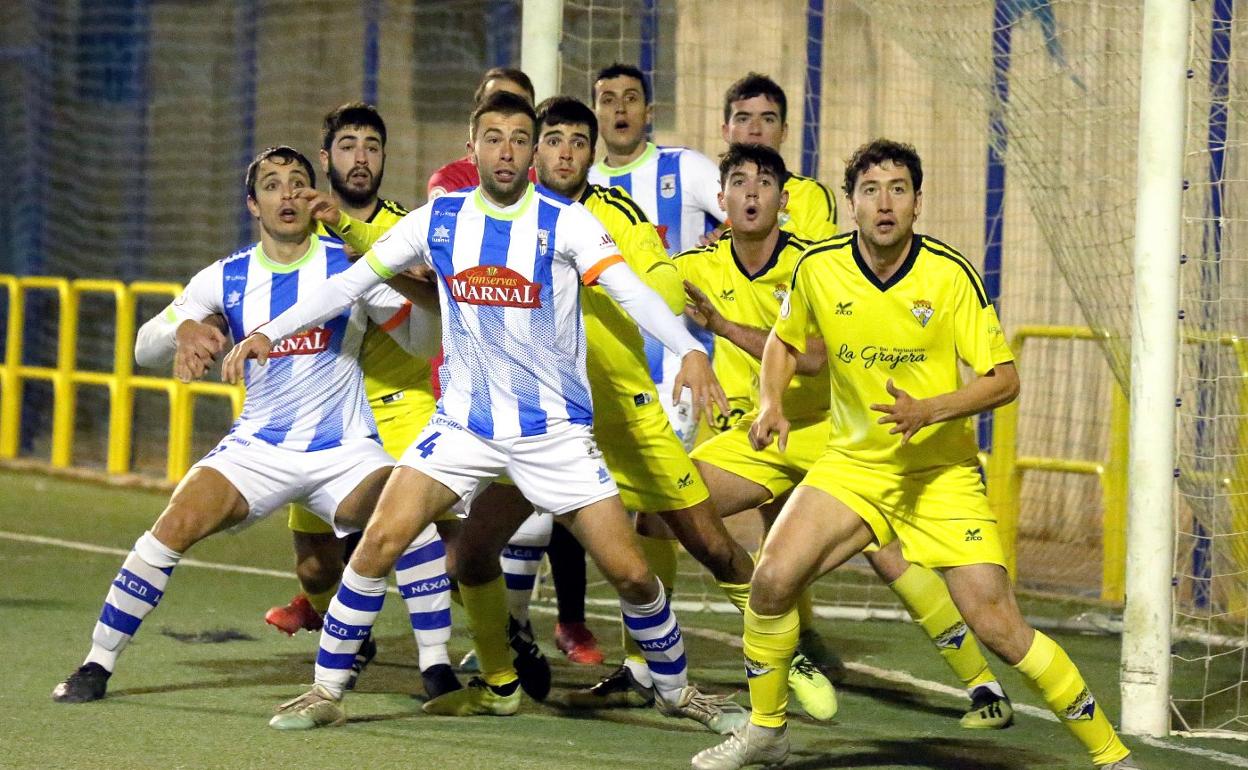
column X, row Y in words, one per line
column 426, row 446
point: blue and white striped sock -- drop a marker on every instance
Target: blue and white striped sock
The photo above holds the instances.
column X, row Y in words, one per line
column 136, row 591
column 347, row 624
column 653, row 626
column 521, row 559
column 426, row 590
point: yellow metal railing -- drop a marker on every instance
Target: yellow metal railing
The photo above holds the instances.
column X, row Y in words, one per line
column 1005, row 471
column 121, row 382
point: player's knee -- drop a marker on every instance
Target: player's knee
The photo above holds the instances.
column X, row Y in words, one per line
column 472, row 568
column 636, row 584
column 184, row 524
column 773, row 591
column 377, row 552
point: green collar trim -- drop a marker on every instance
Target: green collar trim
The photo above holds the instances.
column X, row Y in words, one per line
column 628, row 168
column 513, row 211
column 278, row 267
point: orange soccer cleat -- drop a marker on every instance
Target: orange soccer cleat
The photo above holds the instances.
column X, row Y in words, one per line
column 299, row 614
column 577, row 642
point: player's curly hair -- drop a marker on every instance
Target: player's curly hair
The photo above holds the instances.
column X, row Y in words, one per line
column 760, row 155
column 878, row 151
column 565, row 110
column 281, row 154
column 348, row 115
column 754, row 84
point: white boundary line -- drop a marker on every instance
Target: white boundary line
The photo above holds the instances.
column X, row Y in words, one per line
column 729, row 640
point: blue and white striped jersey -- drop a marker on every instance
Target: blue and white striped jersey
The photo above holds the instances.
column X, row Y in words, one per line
column 509, row 288
column 310, row 394
column 676, row 187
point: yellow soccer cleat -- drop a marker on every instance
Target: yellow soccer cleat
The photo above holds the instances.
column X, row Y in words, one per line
column 814, row 691
column 477, row 699
column 988, row 711
column 315, row 708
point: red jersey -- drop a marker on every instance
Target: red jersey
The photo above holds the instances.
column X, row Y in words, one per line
column 457, row 175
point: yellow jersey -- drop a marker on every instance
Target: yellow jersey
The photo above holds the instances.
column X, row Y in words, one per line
column 912, row 329
column 616, row 360
column 811, row 210
column 752, row 300
column 389, row 370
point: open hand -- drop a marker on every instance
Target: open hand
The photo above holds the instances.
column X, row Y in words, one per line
column 697, row 375
column 256, row 346
column 908, row 414
column 700, row 308
column 198, row 345
column 769, row 422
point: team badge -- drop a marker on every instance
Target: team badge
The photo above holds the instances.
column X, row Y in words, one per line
column 951, row 638
column 781, row 292
column 755, row 668
column 231, row 299
column 667, row 185
column 922, row 311
column 441, row 234
column 543, row 241
column 1082, row 708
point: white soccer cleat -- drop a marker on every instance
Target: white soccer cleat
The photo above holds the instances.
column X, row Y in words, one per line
column 315, row 708
column 717, row 712
column 1126, row 763
column 749, row 745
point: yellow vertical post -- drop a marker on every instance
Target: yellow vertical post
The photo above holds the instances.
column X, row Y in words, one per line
column 1114, row 501
column 180, row 408
column 121, row 401
column 10, row 381
column 63, row 388
column 1004, row 480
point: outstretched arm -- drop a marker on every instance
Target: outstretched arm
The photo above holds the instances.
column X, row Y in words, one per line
column 751, row 339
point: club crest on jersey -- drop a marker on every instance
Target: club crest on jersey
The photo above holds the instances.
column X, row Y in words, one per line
column 543, row 241
column 495, row 285
column 667, row 185
column 441, row 234
column 781, row 292
column 306, row 343
column 1082, row 708
column 232, row 299
column 922, row 311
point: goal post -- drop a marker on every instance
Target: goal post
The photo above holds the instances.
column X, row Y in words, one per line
column 541, row 26
column 1145, row 682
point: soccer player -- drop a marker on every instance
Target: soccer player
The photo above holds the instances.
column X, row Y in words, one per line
column 900, row 460
column 756, row 112
column 400, row 395
column 736, row 287
column 509, row 260
column 461, row 173
column 676, row 187
column 305, row 433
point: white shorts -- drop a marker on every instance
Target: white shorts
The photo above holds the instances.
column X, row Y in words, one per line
column 269, row 477
column 557, row 472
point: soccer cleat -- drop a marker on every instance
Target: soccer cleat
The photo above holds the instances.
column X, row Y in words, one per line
column 469, row 663
column 477, row 699
column 717, row 712
column 988, row 711
column 86, row 684
column 577, row 642
column 618, row 689
column 814, row 692
column 439, row 680
column 315, row 708
column 750, row 745
column 812, row 645
column 365, row 655
column 531, row 665
column 1126, row 763
column 293, row 617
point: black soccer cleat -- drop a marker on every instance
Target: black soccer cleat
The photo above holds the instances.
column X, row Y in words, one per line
column 531, row 665
column 439, row 680
column 367, row 652
column 86, row 684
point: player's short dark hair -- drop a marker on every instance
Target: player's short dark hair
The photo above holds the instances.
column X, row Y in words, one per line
column 282, row 155
column 754, row 84
column 504, row 103
column 565, row 110
column 348, row 115
column 767, row 160
column 878, row 151
column 504, row 73
column 616, row 70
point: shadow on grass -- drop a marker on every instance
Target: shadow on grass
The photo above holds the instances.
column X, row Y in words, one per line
column 927, row 753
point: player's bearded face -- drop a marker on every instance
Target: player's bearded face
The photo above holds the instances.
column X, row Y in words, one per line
column 885, row 205
column 282, row 216
column 620, row 105
column 563, row 158
column 355, row 164
column 503, row 150
column 752, row 199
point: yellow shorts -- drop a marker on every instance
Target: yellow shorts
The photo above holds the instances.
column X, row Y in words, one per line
column 778, row 471
column 941, row 516
column 398, row 424
column 648, row 462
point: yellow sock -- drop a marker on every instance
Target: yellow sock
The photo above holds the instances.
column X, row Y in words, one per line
column 737, row 593
column 927, row 598
column 486, row 606
column 320, row 602
column 661, row 556
column 806, row 608
column 769, row 645
column 1051, row 673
